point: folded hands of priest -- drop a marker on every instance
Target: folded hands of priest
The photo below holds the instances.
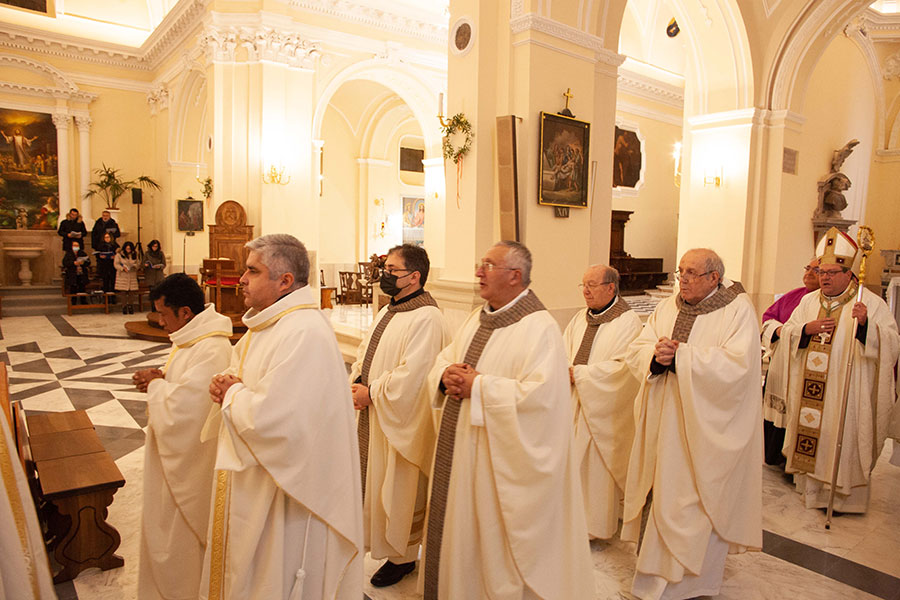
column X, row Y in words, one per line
column 219, row 385
column 457, row 380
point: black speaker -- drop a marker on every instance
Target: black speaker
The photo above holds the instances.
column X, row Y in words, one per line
column 137, row 196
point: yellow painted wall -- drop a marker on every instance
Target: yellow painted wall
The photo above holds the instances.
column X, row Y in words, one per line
column 339, row 207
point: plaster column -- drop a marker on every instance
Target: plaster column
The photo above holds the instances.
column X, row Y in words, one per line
column 84, row 166
column 61, row 121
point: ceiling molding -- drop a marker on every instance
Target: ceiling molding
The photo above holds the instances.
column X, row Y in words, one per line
column 651, row 89
column 115, row 83
column 533, row 22
column 648, row 113
column 385, row 20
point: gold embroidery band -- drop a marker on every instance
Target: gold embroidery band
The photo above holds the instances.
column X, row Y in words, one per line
column 811, row 407
column 219, row 536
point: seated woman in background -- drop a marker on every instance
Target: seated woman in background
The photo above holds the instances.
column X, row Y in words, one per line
column 126, row 265
column 76, row 263
column 154, row 266
column 106, row 254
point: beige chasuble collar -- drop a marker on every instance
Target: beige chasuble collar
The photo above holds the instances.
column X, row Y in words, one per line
column 688, row 313
column 618, row 308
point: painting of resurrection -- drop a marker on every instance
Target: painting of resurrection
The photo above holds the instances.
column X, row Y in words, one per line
column 29, row 185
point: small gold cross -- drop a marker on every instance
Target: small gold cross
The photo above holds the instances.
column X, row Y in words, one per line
column 569, row 95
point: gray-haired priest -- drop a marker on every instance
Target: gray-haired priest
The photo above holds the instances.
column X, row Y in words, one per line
column 506, row 518
column 698, row 434
column 820, row 334
column 287, row 521
column 396, row 434
column 603, row 390
column 178, row 467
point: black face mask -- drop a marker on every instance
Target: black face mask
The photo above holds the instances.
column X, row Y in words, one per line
column 388, row 284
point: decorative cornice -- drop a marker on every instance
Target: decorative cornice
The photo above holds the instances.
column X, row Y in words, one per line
column 533, row 22
column 115, row 83
column 171, row 32
column 645, row 87
column 63, row 88
column 648, row 113
column 394, row 22
column 262, row 43
column 158, row 99
column 728, row 118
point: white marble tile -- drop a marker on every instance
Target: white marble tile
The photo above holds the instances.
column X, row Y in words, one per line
column 54, row 400
column 111, row 414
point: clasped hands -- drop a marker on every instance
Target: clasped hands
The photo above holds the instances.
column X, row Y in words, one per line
column 142, row 379
column 827, row 325
column 457, row 380
column 664, row 351
column 219, row 386
column 360, row 395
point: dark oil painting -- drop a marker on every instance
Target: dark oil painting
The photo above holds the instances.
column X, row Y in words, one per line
column 29, row 183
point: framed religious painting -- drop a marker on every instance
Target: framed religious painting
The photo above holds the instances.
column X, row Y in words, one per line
column 564, row 161
column 628, row 159
column 413, row 220
column 29, row 184
column 190, row 215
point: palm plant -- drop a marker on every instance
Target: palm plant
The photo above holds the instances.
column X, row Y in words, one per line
column 110, row 185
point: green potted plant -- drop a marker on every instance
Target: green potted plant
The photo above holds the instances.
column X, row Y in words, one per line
column 110, row 185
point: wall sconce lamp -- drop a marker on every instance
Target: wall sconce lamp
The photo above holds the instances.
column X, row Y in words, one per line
column 276, row 175
column 713, row 176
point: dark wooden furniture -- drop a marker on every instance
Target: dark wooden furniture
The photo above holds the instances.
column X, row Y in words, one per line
column 222, row 285
column 636, row 274
column 226, row 240
column 351, row 287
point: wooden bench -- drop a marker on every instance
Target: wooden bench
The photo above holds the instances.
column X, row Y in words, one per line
column 95, row 300
column 73, row 481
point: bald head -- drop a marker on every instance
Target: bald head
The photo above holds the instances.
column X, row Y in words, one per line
column 600, row 284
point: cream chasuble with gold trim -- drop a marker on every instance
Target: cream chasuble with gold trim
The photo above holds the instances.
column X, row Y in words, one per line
column 178, row 468
column 287, row 521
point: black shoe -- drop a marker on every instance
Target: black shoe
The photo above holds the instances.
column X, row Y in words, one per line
column 391, row 573
column 130, row 309
column 124, row 309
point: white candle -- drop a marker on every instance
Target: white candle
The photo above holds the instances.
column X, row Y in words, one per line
column 441, row 103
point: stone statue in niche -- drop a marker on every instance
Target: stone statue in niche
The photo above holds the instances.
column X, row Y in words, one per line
column 832, row 186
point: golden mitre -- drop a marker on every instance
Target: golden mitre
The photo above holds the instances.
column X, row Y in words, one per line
column 836, row 248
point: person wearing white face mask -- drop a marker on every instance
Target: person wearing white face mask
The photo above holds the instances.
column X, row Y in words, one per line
column 76, row 262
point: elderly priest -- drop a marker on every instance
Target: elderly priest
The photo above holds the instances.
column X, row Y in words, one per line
column 820, row 334
column 698, row 434
column 506, row 517
column 603, row 390
column 286, row 522
column 396, row 435
column 178, row 468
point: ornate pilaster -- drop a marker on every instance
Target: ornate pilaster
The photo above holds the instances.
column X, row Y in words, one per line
column 62, row 121
column 83, row 123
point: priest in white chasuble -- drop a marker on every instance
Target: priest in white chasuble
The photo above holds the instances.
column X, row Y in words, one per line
column 286, row 522
column 506, row 518
column 820, row 335
column 178, row 467
column 698, row 434
column 395, row 430
column 603, row 390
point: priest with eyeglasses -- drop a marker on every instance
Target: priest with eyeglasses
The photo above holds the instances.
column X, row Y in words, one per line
column 695, row 469
column 506, row 518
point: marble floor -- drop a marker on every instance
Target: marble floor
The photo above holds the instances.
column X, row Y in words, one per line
column 85, row 361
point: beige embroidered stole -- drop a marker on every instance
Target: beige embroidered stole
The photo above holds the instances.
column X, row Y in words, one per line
column 619, row 308
column 362, row 424
column 815, row 378
column 688, row 313
column 443, row 459
column 219, row 532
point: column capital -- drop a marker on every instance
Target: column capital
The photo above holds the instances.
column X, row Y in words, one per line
column 61, row 121
column 83, row 122
column 158, row 99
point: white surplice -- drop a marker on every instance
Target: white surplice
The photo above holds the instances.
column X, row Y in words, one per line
column 178, row 468
column 286, row 521
column 603, row 400
column 698, row 445
column 775, row 394
column 514, row 525
column 24, row 568
column 401, row 433
column 871, row 398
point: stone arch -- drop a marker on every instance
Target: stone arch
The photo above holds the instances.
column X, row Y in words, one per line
column 189, row 107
